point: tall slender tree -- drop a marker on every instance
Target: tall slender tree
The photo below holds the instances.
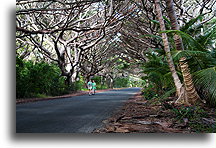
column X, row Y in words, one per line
column 177, row 82
column 191, row 94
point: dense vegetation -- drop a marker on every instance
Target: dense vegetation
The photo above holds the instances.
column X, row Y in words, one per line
column 201, row 57
column 38, row 79
column 41, row 79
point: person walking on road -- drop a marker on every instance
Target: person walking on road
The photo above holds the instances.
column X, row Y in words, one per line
column 89, row 85
column 93, row 86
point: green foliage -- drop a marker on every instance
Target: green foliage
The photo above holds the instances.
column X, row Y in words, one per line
column 189, row 42
column 177, row 55
column 149, row 92
column 200, row 51
column 188, row 26
column 157, row 73
column 190, row 112
column 194, row 115
column 122, row 64
column 35, row 79
column 159, row 81
column 136, row 82
column 201, row 127
column 168, row 93
column 121, row 82
column 167, row 22
column 79, row 85
column 205, row 81
column 197, row 60
column 99, row 80
column 199, row 44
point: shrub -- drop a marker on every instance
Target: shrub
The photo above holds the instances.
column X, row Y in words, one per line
column 149, row 92
column 121, row 82
column 35, row 79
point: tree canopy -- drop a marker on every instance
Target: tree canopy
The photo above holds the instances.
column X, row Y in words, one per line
column 114, row 39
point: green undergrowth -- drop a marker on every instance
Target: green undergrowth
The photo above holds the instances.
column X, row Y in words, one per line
column 200, row 120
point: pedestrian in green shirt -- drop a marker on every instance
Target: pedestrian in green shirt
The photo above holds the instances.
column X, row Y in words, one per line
column 93, row 86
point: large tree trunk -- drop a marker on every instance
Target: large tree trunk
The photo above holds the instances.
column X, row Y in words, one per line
column 191, row 93
column 76, row 64
column 177, row 82
column 174, row 24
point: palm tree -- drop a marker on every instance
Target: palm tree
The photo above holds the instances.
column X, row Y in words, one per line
column 190, row 93
column 179, row 87
column 201, row 56
column 200, row 52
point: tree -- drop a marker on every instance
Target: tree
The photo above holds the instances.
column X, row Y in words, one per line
column 189, row 93
column 63, row 31
column 176, row 79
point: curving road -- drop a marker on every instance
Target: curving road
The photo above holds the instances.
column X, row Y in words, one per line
column 80, row 114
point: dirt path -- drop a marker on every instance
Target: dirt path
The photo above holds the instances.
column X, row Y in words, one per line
column 142, row 116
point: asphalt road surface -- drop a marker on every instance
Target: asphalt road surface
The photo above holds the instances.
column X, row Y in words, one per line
column 79, row 114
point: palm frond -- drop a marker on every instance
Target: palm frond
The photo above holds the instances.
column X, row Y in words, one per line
column 207, row 38
column 191, row 43
column 189, row 54
column 191, row 23
column 168, row 93
column 197, row 60
column 205, row 80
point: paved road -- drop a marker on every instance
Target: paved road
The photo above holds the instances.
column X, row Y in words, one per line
column 80, row 114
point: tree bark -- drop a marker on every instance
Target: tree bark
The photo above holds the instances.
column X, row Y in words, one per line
column 76, row 64
column 191, row 93
column 176, row 79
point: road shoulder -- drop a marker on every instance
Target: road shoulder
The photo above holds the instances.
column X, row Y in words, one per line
column 78, row 93
column 142, row 116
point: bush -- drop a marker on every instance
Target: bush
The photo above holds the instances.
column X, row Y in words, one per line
column 121, row 82
column 79, row 85
column 101, row 84
column 35, row 79
column 149, row 92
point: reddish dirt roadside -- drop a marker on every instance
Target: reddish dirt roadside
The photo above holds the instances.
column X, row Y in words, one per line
column 142, row 116
column 79, row 93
